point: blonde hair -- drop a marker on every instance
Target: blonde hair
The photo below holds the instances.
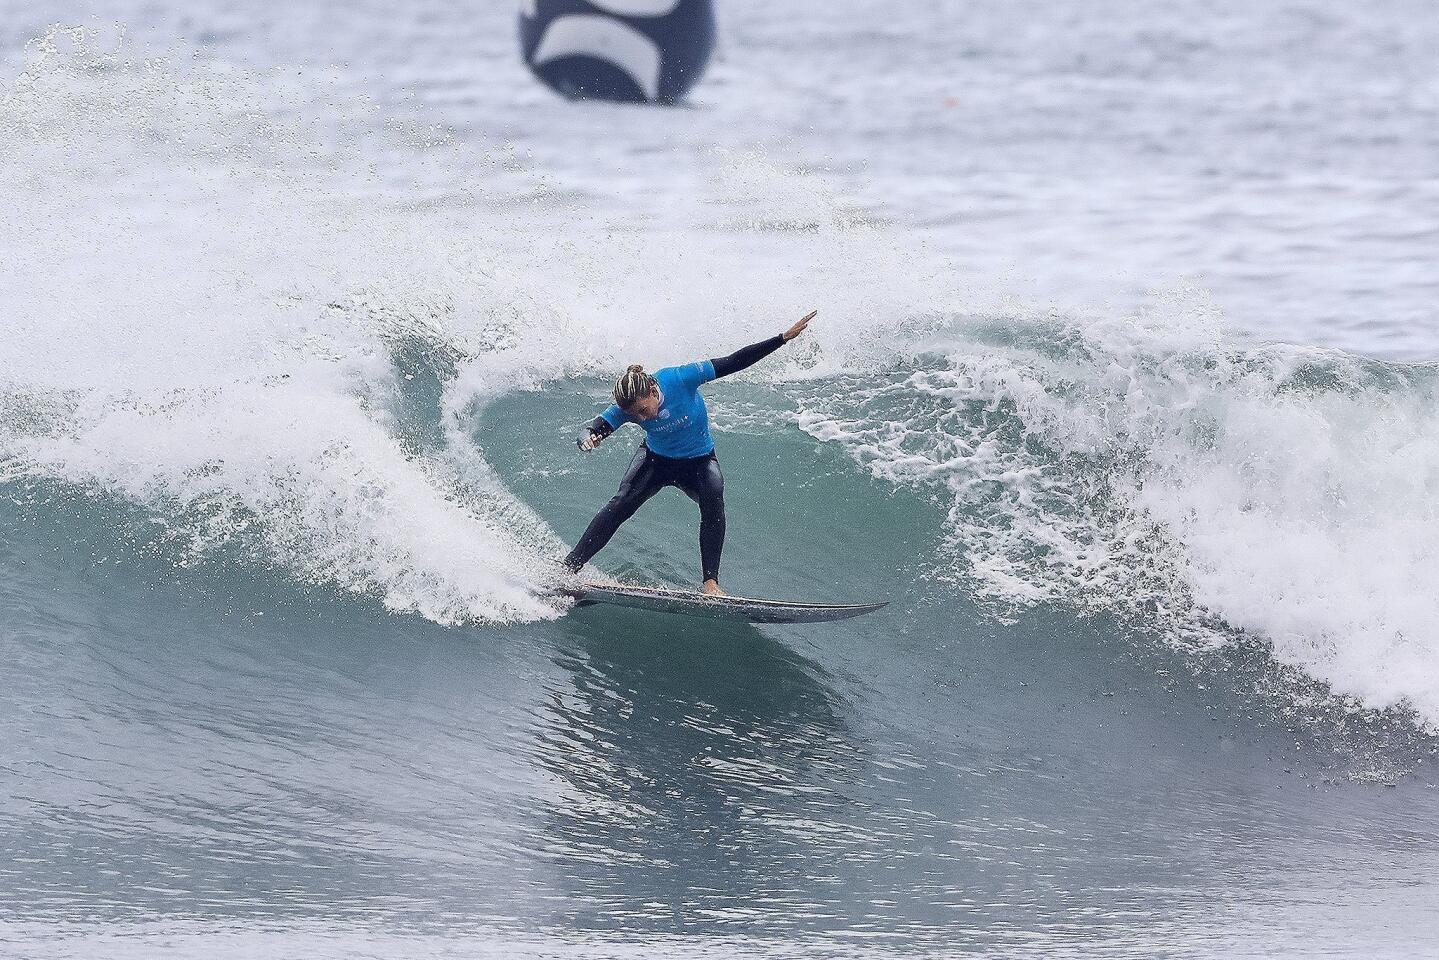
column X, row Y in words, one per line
column 634, row 385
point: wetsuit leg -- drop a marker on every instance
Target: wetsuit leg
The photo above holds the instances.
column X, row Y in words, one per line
column 703, row 482
column 642, row 480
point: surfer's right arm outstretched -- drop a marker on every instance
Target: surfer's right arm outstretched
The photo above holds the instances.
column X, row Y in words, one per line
column 743, row 358
column 677, row 451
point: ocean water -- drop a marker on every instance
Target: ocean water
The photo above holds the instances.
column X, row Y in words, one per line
column 1123, row 391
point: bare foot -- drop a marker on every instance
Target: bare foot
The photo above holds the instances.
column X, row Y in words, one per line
column 712, row 589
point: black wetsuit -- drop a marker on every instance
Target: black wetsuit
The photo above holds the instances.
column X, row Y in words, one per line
column 699, row 477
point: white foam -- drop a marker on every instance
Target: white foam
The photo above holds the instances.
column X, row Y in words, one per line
column 178, row 328
column 1151, row 466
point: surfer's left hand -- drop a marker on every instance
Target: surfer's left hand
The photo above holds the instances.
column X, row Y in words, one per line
column 799, row 326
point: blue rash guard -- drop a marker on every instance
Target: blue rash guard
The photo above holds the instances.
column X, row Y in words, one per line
column 678, row 451
column 681, row 428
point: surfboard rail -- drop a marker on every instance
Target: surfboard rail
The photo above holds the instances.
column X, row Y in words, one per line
column 692, row 603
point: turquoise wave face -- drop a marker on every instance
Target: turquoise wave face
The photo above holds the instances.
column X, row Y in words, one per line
column 1094, row 468
column 228, row 741
column 1172, row 476
column 210, row 712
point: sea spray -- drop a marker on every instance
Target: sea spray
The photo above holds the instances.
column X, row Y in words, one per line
column 215, row 336
column 1153, row 467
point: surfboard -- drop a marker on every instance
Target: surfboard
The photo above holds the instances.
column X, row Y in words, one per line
column 691, row 603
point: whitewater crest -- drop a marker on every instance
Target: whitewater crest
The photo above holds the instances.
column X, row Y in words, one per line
column 204, row 318
column 1150, row 466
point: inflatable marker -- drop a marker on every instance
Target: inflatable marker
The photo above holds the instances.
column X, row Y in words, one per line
column 628, row 51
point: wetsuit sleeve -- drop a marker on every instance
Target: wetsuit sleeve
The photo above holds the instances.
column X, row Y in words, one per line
column 607, row 423
column 746, row 356
column 613, row 416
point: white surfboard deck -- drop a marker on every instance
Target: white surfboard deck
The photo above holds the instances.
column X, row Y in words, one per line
column 691, row 603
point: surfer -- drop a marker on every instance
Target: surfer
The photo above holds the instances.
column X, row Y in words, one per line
column 677, row 449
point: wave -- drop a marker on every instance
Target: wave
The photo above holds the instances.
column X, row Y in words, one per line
column 202, row 323
column 1153, row 467
column 219, row 319
column 215, row 313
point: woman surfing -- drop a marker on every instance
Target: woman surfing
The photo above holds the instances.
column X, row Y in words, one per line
column 677, row 449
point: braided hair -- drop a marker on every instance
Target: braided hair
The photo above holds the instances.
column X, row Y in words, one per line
column 633, row 386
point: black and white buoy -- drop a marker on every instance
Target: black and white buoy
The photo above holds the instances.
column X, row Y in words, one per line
column 630, row 51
